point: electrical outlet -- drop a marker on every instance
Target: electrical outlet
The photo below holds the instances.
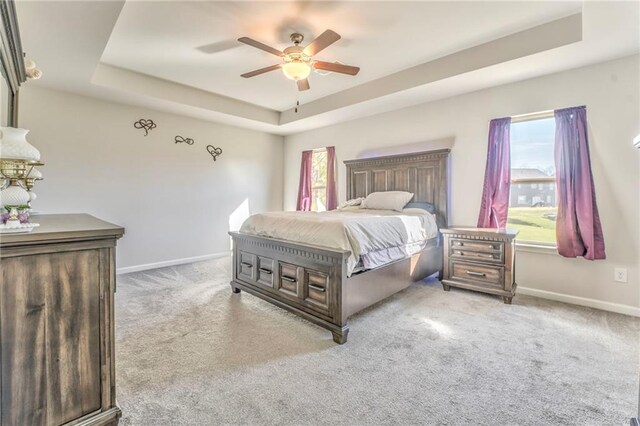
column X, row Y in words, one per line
column 620, row 275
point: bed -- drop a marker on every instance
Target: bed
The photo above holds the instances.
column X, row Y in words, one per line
column 327, row 282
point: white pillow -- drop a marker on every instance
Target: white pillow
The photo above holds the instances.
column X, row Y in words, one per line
column 351, row 203
column 390, row 200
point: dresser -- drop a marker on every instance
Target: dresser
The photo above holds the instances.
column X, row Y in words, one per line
column 57, row 323
column 480, row 259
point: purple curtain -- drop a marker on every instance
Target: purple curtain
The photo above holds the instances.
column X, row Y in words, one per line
column 578, row 228
column 304, row 191
column 332, row 196
column 497, row 176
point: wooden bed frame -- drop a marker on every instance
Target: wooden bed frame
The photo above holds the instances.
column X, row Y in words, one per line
column 311, row 281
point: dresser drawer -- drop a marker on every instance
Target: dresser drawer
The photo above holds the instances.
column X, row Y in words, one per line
column 473, row 272
column 288, row 279
column 266, row 271
column 316, row 290
column 246, row 267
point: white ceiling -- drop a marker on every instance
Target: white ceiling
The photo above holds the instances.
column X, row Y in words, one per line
column 182, row 56
column 162, row 40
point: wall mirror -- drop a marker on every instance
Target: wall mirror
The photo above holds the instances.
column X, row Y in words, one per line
column 11, row 64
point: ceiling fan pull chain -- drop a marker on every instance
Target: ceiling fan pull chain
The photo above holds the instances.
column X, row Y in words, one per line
column 297, row 105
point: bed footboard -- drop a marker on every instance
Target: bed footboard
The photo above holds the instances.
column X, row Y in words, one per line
column 303, row 279
column 311, row 281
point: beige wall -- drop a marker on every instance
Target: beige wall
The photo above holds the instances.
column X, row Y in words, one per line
column 174, row 201
column 610, row 92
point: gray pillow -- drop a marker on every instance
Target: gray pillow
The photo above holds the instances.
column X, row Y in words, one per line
column 424, row 206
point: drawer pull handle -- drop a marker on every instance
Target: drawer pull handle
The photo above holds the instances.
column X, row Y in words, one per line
column 290, row 279
column 476, row 274
column 247, row 264
column 317, row 288
column 265, row 271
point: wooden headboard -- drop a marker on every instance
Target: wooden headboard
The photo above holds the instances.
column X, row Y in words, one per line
column 423, row 173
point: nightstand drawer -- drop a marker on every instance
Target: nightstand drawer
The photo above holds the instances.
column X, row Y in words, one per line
column 473, row 272
column 494, row 256
column 477, row 245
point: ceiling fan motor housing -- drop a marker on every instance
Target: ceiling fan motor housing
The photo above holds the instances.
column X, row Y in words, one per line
column 295, row 53
column 296, row 38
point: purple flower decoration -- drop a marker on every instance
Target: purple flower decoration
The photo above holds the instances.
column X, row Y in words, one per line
column 23, row 217
column 4, row 217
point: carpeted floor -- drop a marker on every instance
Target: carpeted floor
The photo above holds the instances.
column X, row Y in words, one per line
column 189, row 352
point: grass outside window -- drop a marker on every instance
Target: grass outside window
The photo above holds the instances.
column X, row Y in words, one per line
column 536, row 224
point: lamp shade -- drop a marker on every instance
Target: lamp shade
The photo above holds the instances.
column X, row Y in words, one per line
column 34, row 174
column 14, row 145
column 296, row 70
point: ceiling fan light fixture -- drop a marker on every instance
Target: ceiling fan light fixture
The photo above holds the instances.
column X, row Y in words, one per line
column 296, row 70
column 298, row 61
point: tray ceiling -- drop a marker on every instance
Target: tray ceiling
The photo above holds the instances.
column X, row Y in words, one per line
column 194, row 43
column 183, row 57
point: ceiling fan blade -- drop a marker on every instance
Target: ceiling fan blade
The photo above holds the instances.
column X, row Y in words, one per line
column 342, row 69
column 321, row 42
column 261, row 71
column 303, row 85
column 261, row 46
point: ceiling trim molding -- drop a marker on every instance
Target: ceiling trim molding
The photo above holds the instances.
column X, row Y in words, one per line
column 143, row 84
column 551, row 35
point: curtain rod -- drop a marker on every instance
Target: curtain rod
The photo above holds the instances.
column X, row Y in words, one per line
column 532, row 116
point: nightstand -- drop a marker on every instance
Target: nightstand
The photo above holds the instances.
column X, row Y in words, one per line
column 480, row 259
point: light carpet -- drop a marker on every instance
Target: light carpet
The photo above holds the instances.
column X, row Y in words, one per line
column 189, row 352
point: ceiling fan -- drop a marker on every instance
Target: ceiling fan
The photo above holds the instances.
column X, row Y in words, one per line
column 297, row 61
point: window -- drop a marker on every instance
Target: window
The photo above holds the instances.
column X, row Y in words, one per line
column 533, row 206
column 319, row 180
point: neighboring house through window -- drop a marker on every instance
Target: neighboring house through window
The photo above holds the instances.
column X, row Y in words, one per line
column 533, row 199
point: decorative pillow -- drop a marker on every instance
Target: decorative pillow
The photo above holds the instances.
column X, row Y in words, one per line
column 390, row 200
column 351, row 203
column 424, row 206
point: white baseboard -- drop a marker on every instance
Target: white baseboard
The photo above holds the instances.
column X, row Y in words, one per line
column 543, row 294
column 173, row 262
column 582, row 301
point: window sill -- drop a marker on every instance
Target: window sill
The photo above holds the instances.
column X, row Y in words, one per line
column 536, row 248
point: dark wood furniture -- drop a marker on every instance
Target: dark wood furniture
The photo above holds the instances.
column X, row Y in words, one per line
column 480, row 259
column 56, row 323
column 311, row 281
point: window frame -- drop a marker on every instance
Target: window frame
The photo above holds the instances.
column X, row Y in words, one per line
column 527, row 245
column 314, row 188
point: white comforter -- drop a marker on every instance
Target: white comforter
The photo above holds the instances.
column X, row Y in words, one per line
column 374, row 237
